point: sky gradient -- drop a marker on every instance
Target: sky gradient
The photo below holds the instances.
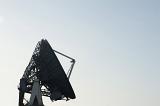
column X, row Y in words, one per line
column 116, row 44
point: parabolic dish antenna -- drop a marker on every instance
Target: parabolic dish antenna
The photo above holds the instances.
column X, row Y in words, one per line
column 45, row 68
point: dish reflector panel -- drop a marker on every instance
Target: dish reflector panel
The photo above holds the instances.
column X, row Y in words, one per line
column 45, row 66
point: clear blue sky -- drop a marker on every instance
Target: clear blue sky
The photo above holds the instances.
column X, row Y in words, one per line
column 116, row 44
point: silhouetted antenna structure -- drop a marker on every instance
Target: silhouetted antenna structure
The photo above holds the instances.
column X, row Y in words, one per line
column 45, row 71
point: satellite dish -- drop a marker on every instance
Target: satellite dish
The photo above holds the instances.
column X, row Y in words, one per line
column 45, row 66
